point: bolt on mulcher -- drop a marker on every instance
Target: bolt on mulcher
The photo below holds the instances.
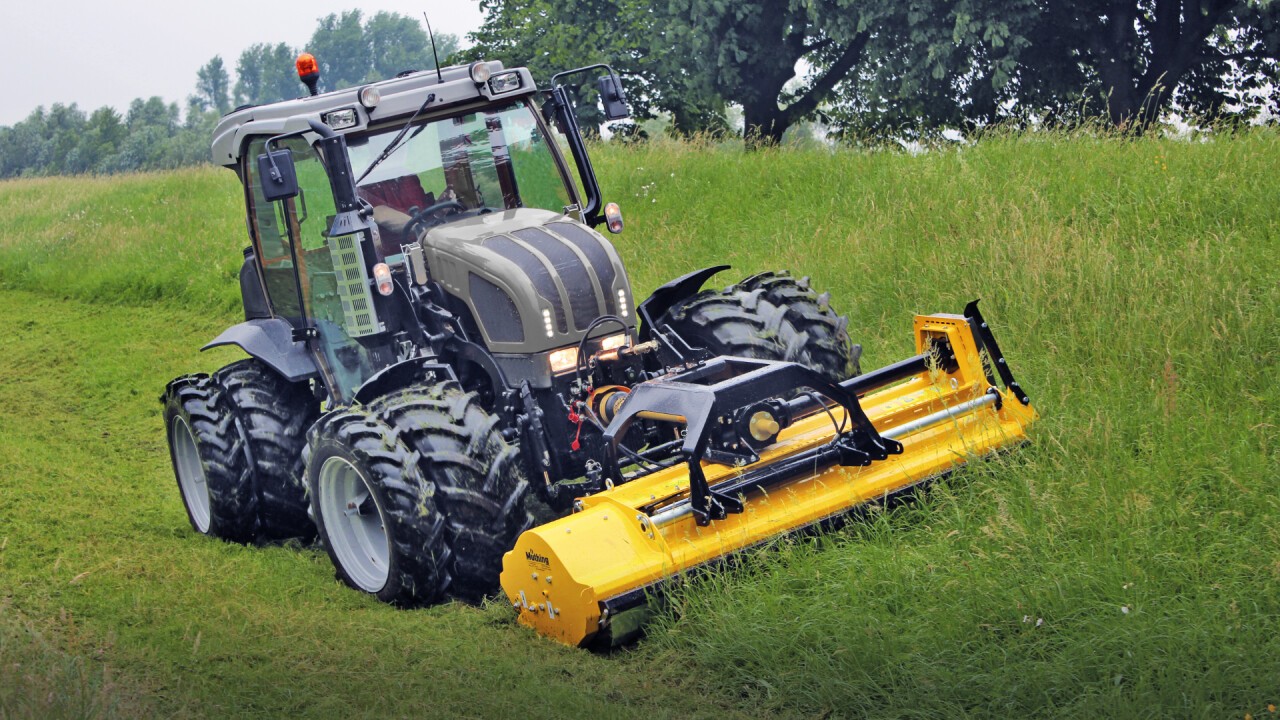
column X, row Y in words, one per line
column 440, row 343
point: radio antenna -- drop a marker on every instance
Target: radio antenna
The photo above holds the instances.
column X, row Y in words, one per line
column 434, row 54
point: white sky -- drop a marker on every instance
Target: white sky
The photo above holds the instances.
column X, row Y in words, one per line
column 96, row 52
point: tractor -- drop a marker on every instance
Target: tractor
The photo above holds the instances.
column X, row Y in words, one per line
column 450, row 381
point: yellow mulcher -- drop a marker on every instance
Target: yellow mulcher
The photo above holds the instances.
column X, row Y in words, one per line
column 588, row 577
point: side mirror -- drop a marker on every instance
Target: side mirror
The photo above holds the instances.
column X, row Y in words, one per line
column 278, row 176
column 611, row 96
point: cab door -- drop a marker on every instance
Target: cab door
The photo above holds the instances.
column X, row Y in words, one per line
column 302, row 276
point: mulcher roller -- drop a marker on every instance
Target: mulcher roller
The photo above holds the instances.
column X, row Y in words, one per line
column 587, row 578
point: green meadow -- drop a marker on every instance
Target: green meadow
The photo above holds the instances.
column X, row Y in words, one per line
column 1125, row 564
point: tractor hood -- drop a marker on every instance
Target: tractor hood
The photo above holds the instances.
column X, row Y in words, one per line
column 534, row 280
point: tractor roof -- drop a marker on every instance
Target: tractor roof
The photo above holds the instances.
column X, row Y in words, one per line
column 400, row 97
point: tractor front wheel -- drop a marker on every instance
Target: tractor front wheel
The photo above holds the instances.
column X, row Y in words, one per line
column 375, row 512
column 479, row 480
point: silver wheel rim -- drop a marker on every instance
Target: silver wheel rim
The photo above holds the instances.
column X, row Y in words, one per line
column 354, row 524
column 191, row 478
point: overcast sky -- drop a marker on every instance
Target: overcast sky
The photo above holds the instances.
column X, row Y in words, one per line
column 96, row 52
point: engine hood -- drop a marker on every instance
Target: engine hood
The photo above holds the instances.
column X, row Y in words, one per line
column 534, row 280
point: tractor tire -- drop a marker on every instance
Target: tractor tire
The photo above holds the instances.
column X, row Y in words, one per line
column 236, row 440
column 767, row 319
column 208, row 454
column 275, row 415
column 375, row 512
column 829, row 345
column 479, row 479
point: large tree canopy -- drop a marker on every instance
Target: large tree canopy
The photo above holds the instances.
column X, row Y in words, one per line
column 1135, row 58
column 888, row 68
column 974, row 62
column 549, row 37
column 353, row 51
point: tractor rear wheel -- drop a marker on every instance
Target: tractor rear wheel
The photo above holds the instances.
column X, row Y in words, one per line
column 768, row 317
column 209, row 461
column 479, row 481
column 375, row 512
column 275, row 415
column 236, row 440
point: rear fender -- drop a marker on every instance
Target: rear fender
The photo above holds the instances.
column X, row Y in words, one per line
column 271, row 341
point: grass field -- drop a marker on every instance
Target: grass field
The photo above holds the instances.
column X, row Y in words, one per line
column 1126, row 564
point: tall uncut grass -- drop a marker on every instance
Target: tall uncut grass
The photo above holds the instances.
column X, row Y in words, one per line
column 1126, row 563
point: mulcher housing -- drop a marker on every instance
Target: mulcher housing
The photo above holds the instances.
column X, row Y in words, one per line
column 442, row 346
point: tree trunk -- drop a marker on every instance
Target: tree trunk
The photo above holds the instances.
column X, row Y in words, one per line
column 764, row 123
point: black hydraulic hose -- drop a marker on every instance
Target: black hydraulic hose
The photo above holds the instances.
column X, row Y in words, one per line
column 580, row 362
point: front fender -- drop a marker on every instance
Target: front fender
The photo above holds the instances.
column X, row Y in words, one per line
column 271, row 341
column 662, row 299
column 403, row 374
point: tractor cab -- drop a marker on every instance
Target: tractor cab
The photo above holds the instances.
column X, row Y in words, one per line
column 435, row 204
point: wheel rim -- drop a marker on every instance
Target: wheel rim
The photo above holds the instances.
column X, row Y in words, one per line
column 354, row 524
column 191, row 478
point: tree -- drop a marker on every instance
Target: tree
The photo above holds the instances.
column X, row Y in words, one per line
column 968, row 63
column 748, row 52
column 548, row 37
column 948, row 65
column 397, row 43
column 339, row 47
column 213, row 86
column 1137, row 57
column 266, row 73
column 103, row 135
column 354, row 51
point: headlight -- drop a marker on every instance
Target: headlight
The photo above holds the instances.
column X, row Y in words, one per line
column 505, row 82
column 613, row 342
column 340, row 119
column 563, row 359
column 479, row 71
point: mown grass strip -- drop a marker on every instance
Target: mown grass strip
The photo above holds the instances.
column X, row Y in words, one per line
column 98, row 556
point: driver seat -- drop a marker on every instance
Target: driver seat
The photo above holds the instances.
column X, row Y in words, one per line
column 400, row 193
column 392, row 200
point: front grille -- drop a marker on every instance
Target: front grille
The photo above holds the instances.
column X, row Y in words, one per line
column 496, row 310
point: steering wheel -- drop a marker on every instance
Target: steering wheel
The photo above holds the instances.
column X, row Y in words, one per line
column 424, row 217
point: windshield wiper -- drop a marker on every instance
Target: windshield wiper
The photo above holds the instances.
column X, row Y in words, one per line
column 395, row 141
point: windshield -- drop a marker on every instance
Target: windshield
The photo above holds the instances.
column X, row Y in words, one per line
column 445, row 169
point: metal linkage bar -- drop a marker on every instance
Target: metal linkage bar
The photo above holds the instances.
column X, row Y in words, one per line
column 715, row 401
column 988, row 339
column 808, row 462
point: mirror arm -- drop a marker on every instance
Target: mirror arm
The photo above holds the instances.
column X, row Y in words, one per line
column 577, row 146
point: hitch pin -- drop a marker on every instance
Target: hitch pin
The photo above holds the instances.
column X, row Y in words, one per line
column 617, row 354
